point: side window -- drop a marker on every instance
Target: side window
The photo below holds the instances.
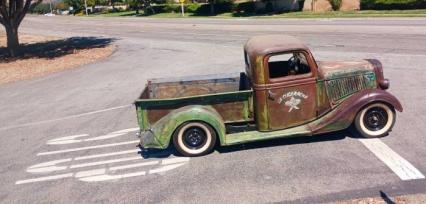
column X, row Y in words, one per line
column 287, row 64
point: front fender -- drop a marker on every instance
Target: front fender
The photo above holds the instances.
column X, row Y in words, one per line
column 343, row 115
column 163, row 129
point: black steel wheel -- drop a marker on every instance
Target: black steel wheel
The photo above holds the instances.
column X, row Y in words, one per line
column 375, row 120
column 194, row 139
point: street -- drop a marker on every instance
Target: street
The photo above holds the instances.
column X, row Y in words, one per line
column 69, row 137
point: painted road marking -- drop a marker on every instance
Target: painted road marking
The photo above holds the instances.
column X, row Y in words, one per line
column 74, row 138
column 105, row 162
column 126, row 130
column 108, row 154
column 92, row 172
column 401, row 167
column 100, row 174
column 53, row 165
column 107, row 177
column 89, row 147
column 175, row 160
column 165, row 168
column 65, row 118
column 45, row 178
column 104, row 174
column 48, row 166
column 114, row 168
column 66, row 140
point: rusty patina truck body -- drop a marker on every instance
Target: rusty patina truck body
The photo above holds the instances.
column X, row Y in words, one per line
column 283, row 92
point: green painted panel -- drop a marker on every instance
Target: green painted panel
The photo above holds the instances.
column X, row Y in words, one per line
column 199, row 99
column 165, row 127
column 243, row 137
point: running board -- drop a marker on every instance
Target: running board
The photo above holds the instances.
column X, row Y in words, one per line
column 250, row 136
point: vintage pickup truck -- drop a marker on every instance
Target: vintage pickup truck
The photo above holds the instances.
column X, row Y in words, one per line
column 284, row 92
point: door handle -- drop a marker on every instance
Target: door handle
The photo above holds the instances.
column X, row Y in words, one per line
column 271, row 96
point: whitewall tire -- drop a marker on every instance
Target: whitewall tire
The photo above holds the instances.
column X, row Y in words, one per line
column 375, row 120
column 194, row 138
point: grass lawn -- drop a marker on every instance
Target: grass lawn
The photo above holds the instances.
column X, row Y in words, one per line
column 299, row 14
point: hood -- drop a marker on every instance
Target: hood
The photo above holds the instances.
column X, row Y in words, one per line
column 337, row 69
column 342, row 79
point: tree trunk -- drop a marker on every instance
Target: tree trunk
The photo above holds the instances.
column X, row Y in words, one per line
column 12, row 40
column 212, row 7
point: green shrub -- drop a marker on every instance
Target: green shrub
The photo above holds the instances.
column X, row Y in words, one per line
column 171, row 8
column 157, row 9
column 41, row 8
column 336, row 4
column 221, row 6
column 192, row 8
column 245, row 8
column 392, row 4
column 269, row 7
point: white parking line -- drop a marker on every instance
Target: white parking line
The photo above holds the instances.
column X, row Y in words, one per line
column 105, row 174
column 46, row 178
column 105, row 162
column 401, row 167
column 107, row 177
column 174, row 160
column 65, row 118
column 92, row 172
column 99, row 174
column 165, row 168
column 114, row 168
column 66, row 139
column 108, row 154
column 77, row 138
column 86, row 148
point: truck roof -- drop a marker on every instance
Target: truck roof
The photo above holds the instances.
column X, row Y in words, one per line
column 267, row 44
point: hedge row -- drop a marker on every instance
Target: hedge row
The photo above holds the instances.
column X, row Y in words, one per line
column 196, row 9
column 249, row 8
column 40, row 8
column 239, row 9
column 392, row 4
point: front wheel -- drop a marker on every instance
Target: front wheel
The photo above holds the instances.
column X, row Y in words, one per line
column 194, row 139
column 375, row 120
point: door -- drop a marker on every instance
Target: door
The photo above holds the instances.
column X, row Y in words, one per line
column 291, row 90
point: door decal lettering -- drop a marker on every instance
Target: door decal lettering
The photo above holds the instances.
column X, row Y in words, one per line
column 292, row 99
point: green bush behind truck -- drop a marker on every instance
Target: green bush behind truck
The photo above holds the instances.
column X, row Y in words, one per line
column 284, row 92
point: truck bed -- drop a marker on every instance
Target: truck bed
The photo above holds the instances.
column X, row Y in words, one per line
column 229, row 94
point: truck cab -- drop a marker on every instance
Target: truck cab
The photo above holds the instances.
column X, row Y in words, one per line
column 283, row 92
column 284, row 78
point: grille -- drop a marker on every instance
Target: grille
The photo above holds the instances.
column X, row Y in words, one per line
column 342, row 87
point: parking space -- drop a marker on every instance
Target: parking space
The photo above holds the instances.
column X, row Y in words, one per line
column 115, row 164
column 292, row 169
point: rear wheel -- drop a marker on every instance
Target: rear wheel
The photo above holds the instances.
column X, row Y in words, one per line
column 375, row 120
column 194, row 139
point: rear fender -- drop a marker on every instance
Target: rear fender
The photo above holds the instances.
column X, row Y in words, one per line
column 343, row 115
column 165, row 127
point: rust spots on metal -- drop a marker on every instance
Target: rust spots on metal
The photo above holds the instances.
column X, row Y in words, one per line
column 325, row 98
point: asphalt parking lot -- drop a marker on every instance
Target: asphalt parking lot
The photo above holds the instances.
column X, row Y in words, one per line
column 70, row 136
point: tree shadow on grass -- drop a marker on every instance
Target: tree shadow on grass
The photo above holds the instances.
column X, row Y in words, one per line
column 55, row 48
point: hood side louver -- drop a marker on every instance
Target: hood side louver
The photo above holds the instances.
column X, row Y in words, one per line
column 342, row 87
